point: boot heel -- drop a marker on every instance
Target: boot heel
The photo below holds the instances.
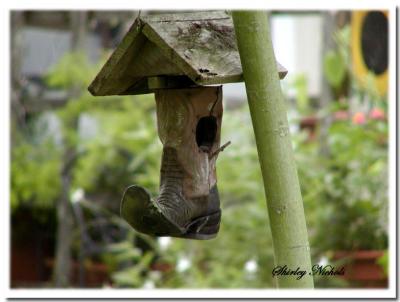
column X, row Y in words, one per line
column 204, row 228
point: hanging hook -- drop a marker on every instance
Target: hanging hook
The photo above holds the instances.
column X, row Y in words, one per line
column 138, row 17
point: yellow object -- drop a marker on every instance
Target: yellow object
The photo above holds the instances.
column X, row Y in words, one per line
column 360, row 68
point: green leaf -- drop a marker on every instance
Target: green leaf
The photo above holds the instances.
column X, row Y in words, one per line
column 383, row 261
column 334, row 68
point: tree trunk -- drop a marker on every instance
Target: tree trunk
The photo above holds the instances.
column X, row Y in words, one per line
column 64, row 234
column 78, row 30
column 17, row 109
column 62, row 269
column 268, row 113
column 326, row 93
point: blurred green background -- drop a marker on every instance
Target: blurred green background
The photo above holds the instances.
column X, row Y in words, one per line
column 73, row 155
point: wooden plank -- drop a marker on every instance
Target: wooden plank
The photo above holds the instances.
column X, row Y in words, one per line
column 202, row 44
column 193, row 16
column 150, row 61
column 112, row 79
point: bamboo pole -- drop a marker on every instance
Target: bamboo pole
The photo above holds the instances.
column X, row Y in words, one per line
column 268, row 113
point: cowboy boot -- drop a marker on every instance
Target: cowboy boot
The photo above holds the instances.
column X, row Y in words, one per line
column 189, row 127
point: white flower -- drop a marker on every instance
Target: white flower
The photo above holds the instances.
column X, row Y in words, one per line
column 183, row 264
column 251, row 266
column 106, row 286
column 164, row 242
column 155, row 275
column 77, row 195
column 149, row 284
column 323, row 261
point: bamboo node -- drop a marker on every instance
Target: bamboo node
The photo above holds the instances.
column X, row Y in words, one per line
column 306, row 246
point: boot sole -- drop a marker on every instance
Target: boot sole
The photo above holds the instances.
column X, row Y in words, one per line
column 143, row 215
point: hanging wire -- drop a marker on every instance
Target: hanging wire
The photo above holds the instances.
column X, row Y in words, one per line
column 216, row 101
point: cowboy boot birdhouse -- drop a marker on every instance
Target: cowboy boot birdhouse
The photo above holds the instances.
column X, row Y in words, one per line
column 189, row 127
column 178, row 57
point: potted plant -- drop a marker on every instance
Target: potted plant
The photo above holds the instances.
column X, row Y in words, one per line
column 350, row 200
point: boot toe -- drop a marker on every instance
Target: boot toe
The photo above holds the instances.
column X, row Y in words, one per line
column 143, row 215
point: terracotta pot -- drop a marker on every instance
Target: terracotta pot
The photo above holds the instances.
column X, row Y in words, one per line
column 28, row 269
column 362, row 269
column 96, row 274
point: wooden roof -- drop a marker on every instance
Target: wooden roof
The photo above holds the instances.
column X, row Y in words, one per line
column 173, row 50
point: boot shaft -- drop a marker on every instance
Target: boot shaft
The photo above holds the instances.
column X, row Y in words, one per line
column 189, row 121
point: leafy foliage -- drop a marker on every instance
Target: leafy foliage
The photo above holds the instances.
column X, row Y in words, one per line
column 34, row 175
column 334, row 68
column 347, row 193
column 383, row 261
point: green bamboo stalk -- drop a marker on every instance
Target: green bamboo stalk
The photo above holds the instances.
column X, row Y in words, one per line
column 268, row 113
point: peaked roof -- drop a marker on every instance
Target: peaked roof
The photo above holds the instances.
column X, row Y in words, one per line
column 186, row 49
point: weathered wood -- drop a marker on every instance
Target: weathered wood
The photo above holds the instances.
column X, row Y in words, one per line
column 200, row 46
column 112, row 77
